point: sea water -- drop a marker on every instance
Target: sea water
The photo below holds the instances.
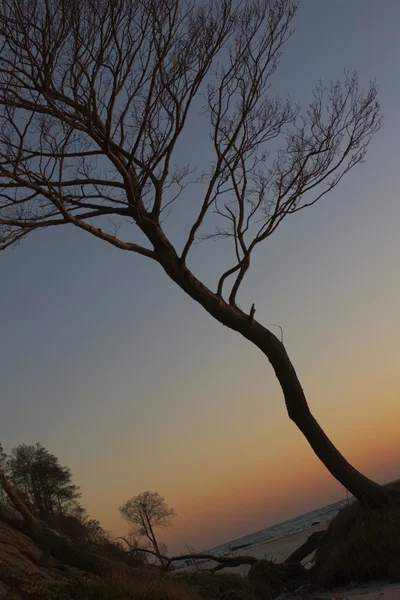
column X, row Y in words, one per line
column 320, row 516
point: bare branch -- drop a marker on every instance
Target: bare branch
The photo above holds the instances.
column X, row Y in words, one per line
column 320, row 151
column 94, row 98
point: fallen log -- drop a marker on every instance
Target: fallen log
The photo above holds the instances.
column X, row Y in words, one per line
column 236, row 561
column 223, row 561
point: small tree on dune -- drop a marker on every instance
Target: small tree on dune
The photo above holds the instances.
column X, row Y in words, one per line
column 94, row 99
column 145, row 512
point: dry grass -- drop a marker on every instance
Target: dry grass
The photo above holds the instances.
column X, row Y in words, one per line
column 120, row 586
column 361, row 544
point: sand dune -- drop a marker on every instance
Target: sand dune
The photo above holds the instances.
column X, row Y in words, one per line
column 279, row 550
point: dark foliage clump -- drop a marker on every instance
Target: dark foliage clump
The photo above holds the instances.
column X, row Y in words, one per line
column 360, row 544
column 228, row 586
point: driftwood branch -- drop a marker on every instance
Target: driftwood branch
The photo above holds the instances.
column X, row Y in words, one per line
column 223, row 561
column 305, row 549
column 133, row 550
column 235, row 561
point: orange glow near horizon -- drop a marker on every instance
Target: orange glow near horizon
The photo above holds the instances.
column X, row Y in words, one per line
column 243, row 498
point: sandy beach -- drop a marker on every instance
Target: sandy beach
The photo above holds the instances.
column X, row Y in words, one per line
column 279, row 550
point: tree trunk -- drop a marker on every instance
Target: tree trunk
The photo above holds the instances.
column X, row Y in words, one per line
column 362, row 488
column 365, row 490
column 155, row 546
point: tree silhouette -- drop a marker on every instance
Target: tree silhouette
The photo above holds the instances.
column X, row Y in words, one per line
column 94, row 99
column 42, row 481
column 145, row 512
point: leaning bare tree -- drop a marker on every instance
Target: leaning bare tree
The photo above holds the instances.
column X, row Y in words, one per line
column 95, row 96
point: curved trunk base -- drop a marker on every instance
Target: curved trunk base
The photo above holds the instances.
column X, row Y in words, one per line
column 365, row 490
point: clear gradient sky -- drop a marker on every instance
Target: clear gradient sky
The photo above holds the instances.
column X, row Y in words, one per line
column 134, row 387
